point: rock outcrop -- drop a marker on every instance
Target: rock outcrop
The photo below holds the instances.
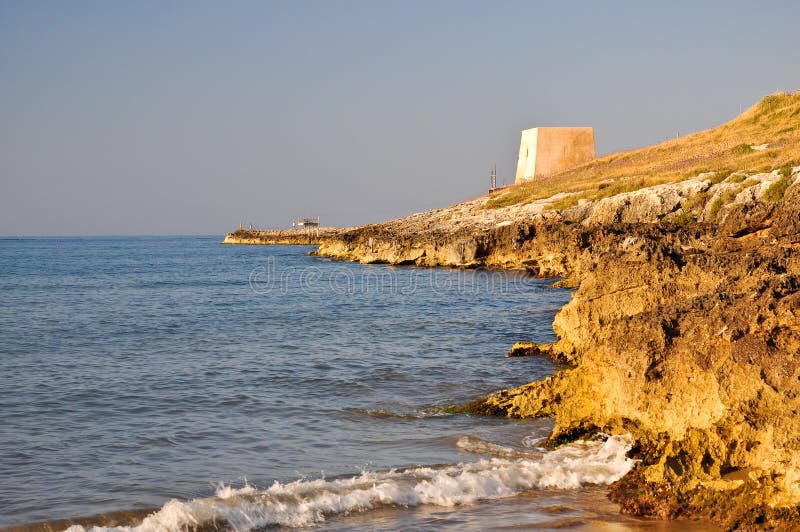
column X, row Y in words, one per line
column 289, row 237
column 684, row 330
column 647, row 205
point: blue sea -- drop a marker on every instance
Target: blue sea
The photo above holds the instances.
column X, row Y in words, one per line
column 173, row 382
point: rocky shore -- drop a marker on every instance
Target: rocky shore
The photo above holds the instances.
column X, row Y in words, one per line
column 684, row 333
column 289, row 237
column 683, row 329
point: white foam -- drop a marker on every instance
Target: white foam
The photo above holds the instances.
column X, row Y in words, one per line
column 304, row 502
column 226, row 492
column 535, row 441
column 479, row 446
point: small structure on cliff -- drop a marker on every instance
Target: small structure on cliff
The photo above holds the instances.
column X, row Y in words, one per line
column 308, row 225
column 545, row 151
column 306, row 222
column 493, row 179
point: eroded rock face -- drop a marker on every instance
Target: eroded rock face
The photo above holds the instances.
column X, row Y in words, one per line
column 691, row 342
column 291, row 237
column 648, row 205
column 687, row 336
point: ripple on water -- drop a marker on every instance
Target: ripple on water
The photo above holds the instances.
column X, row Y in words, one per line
column 148, row 368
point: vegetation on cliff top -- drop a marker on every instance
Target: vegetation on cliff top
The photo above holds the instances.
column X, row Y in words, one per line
column 763, row 138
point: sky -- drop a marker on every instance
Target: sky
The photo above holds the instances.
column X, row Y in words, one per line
column 153, row 117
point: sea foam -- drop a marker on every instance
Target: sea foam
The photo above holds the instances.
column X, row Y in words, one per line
column 305, row 502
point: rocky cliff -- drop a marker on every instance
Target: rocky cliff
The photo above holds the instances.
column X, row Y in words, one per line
column 684, row 327
column 684, row 330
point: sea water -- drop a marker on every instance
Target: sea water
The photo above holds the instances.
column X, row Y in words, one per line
column 186, row 383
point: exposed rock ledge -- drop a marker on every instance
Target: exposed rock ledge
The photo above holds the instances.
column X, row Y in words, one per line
column 291, row 237
column 685, row 334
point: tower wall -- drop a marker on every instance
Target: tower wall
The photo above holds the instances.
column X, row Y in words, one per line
column 545, row 151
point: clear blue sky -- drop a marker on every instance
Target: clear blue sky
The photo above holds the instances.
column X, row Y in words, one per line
column 152, row 117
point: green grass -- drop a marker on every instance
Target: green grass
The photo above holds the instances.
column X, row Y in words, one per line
column 777, row 190
column 604, row 190
column 695, row 204
column 720, row 175
column 684, row 217
column 518, row 194
column 786, row 170
column 715, row 208
column 564, row 203
column 724, row 199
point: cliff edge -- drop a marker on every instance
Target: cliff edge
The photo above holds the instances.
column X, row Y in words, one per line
column 684, row 328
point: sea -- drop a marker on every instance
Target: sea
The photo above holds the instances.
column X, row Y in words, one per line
column 173, row 383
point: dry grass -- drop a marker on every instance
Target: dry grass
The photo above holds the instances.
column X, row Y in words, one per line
column 774, row 121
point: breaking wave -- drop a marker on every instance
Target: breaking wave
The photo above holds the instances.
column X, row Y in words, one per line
column 305, row 502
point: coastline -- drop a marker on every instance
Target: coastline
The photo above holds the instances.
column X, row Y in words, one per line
column 274, row 237
column 355, row 387
column 683, row 335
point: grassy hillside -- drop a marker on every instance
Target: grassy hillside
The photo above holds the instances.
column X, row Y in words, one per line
column 774, row 121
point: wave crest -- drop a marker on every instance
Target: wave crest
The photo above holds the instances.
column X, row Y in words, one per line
column 305, row 502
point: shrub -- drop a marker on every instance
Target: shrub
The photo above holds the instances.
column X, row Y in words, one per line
column 718, row 203
column 786, row 170
column 715, row 207
column 684, row 217
column 776, row 191
column 696, row 202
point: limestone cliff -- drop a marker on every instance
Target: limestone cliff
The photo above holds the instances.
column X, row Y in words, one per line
column 684, row 333
column 684, row 328
column 290, row 237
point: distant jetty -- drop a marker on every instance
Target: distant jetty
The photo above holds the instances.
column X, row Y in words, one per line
column 303, row 236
